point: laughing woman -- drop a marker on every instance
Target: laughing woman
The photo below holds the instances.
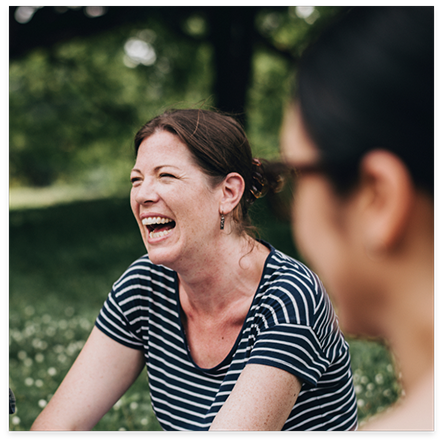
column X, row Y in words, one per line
column 234, row 334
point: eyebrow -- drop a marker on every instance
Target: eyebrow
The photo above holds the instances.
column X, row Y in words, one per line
column 157, row 168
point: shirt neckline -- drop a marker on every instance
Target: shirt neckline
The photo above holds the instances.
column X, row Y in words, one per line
column 228, row 357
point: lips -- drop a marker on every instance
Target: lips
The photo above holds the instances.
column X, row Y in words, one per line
column 158, row 226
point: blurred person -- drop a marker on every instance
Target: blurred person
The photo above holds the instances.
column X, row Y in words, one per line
column 235, row 335
column 360, row 134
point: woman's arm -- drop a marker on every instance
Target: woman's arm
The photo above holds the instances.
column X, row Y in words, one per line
column 101, row 374
column 261, row 400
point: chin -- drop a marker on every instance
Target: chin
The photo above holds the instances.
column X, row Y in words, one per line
column 161, row 256
column 155, row 257
column 163, row 249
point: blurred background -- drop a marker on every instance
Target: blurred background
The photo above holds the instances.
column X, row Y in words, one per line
column 82, row 81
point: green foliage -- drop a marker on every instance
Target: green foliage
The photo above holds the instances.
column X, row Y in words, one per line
column 75, row 108
column 270, row 85
column 375, row 379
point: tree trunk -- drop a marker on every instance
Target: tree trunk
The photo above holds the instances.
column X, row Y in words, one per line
column 231, row 34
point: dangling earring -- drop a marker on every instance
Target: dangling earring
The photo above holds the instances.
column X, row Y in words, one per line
column 222, row 222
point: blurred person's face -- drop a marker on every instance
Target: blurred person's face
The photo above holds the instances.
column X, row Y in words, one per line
column 326, row 231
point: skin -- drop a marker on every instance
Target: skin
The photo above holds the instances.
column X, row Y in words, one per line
column 93, row 385
column 219, row 272
column 374, row 251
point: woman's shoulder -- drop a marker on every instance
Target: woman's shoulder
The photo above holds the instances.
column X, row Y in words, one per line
column 289, row 291
column 293, row 297
column 283, row 270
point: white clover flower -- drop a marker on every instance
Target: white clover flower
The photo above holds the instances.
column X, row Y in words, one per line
column 52, row 371
column 42, row 403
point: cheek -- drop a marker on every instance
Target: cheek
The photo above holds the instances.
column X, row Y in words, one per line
column 326, row 242
column 133, row 204
column 135, row 207
column 321, row 239
column 318, row 245
column 312, row 225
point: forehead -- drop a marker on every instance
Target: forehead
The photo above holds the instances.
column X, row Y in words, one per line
column 296, row 145
column 163, row 146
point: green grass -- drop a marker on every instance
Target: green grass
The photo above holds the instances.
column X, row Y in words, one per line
column 63, row 261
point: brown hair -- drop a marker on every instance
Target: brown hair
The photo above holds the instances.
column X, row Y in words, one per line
column 219, row 146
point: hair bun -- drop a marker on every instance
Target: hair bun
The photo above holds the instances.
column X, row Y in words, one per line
column 266, row 177
column 258, row 180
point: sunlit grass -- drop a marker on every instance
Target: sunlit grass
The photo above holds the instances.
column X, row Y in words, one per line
column 42, row 349
column 26, row 197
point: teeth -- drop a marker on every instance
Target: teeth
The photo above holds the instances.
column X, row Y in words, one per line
column 159, row 234
column 156, row 221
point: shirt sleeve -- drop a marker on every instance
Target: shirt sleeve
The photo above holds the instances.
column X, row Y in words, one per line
column 293, row 348
column 113, row 322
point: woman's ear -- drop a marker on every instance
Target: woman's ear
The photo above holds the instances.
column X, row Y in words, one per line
column 388, row 192
column 232, row 188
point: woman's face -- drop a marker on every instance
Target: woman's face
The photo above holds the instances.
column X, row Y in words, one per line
column 325, row 228
column 172, row 201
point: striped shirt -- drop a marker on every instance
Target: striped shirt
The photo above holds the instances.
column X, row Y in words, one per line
column 290, row 325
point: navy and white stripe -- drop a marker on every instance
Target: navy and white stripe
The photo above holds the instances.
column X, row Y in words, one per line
column 291, row 325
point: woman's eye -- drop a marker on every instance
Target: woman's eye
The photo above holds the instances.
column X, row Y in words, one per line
column 166, row 175
column 135, row 180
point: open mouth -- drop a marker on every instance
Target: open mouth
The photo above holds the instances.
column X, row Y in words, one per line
column 158, row 226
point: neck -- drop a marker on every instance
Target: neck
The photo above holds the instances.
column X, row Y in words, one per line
column 230, row 273
column 411, row 335
column 409, row 319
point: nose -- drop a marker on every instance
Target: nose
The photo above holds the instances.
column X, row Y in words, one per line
column 145, row 193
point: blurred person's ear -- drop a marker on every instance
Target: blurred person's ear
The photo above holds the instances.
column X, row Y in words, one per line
column 388, row 193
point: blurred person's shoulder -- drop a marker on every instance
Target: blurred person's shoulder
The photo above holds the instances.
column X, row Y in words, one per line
column 414, row 412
